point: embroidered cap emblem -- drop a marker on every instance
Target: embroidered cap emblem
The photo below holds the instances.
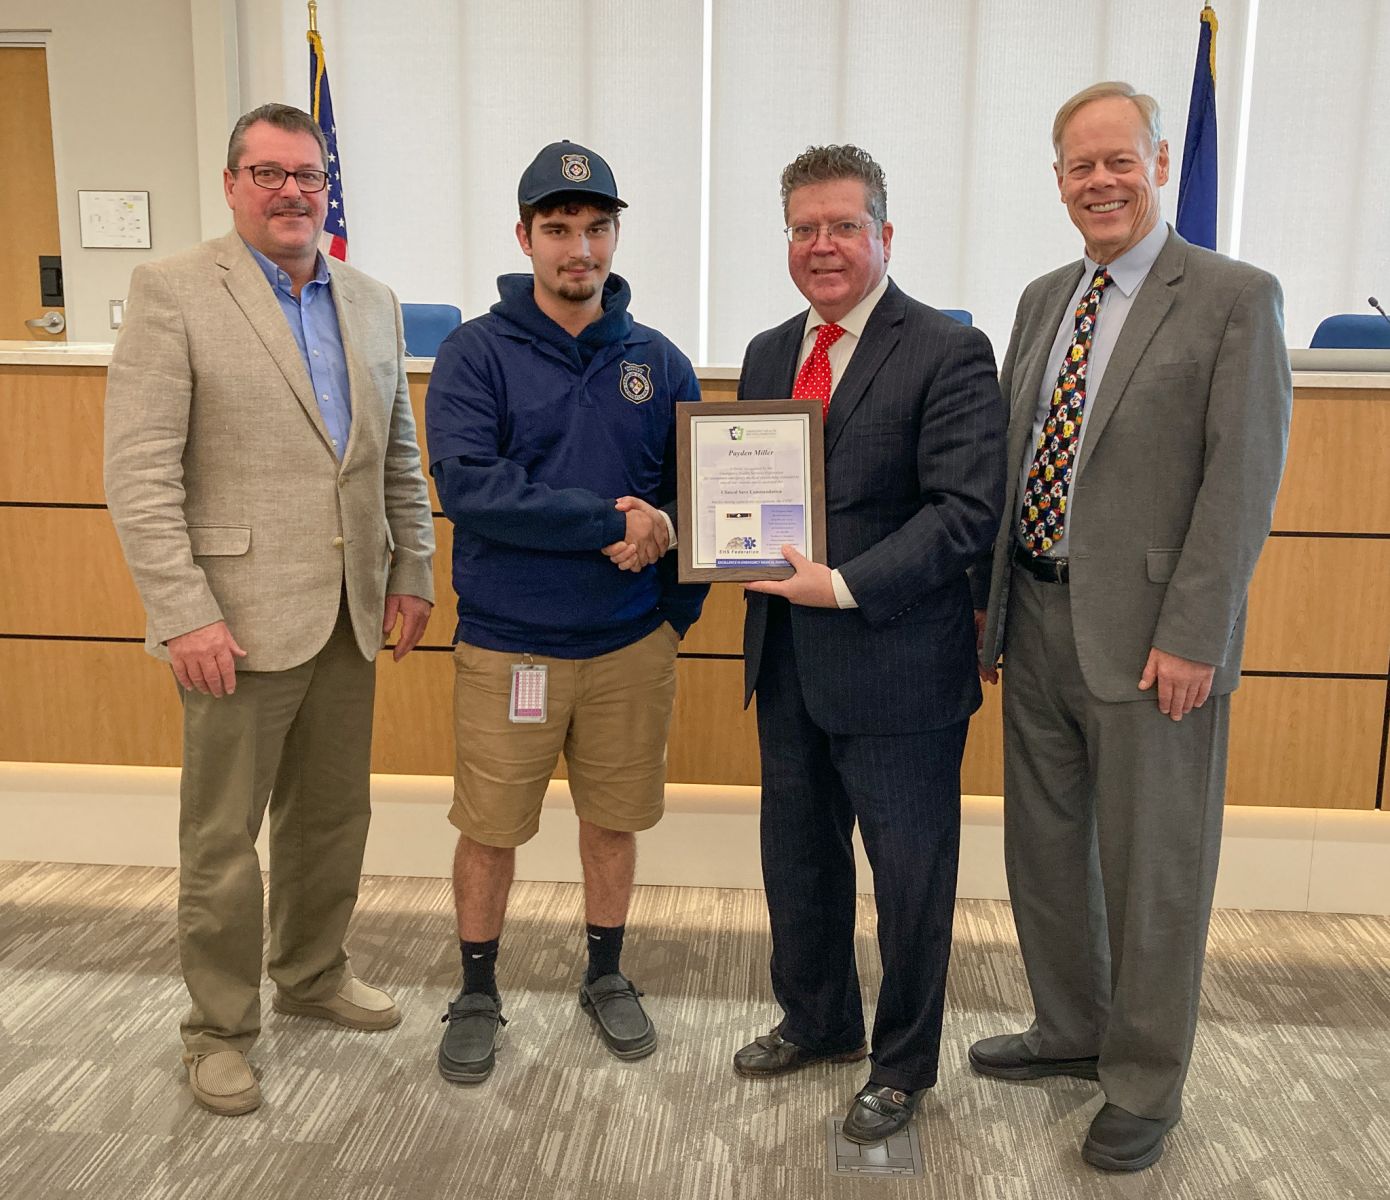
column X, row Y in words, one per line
column 574, row 167
column 635, row 383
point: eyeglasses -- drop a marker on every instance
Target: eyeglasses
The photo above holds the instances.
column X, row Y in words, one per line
column 273, row 178
column 839, row 231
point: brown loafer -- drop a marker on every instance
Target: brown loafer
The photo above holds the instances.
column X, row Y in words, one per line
column 772, row 1054
column 356, row 1005
column 222, row 1082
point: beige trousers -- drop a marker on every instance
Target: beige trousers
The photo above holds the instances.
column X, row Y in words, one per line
column 303, row 737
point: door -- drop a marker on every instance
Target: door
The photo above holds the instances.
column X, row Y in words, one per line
column 28, row 194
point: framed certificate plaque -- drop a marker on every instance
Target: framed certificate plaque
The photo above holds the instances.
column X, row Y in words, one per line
column 751, row 479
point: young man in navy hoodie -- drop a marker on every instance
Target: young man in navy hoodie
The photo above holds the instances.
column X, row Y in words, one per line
column 551, row 429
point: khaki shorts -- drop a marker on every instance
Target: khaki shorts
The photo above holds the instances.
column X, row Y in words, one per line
column 609, row 715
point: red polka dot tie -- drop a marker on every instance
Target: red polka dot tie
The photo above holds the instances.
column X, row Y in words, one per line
column 813, row 380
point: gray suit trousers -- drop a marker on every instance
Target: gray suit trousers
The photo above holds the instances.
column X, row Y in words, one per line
column 1112, row 829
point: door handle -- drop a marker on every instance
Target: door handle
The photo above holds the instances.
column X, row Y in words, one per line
column 50, row 322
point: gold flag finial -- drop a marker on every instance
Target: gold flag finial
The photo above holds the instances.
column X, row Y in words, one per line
column 313, row 16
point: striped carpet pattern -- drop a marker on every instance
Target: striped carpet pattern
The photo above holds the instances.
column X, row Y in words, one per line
column 1289, row 1097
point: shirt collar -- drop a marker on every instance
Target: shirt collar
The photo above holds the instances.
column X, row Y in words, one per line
column 279, row 279
column 852, row 322
column 1132, row 267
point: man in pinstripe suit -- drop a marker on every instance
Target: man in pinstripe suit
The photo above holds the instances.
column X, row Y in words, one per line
column 864, row 667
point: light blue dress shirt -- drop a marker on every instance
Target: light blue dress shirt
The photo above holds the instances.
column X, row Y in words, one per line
column 1127, row 273
column 313, row 320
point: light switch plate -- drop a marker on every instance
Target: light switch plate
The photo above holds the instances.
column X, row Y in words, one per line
column 117, row 308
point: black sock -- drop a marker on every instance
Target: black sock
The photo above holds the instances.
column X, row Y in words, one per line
column 605, row 948
column 479, row 966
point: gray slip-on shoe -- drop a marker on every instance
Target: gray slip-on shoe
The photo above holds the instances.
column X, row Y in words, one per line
column 467, row 1049
column 622, row 1022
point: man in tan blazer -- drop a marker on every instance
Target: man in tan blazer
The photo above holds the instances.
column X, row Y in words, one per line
column 1149, row 395
column 264, row 476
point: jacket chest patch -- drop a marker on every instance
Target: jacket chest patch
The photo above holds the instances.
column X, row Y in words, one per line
column 635, row 382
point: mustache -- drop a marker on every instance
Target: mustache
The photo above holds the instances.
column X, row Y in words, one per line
column 290, row 206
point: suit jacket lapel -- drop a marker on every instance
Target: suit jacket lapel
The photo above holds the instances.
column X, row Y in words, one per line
column 1151, row 305
column 881, row 334
column 247, row 284
column 788, row 351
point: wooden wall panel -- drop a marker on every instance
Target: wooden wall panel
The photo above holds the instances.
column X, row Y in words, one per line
column 720, row 627
column 1306, row 743
column 440, row 630
column 982, row 769
column 1339, row 460
column 52, row 448
column 719, row 389
column 714, row 739
column 64, row 575
column 1320, row 605
column 413, row 733
column 419, row 385
column 87, row 702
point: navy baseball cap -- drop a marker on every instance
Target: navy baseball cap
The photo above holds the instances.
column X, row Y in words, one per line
column 567, row 167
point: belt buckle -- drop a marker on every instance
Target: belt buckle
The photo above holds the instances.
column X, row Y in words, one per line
column 1043, row 569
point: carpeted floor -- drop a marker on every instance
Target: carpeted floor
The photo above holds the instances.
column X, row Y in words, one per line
column 1289, row 1097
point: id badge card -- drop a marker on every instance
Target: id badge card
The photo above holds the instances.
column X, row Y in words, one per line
column 528, row 693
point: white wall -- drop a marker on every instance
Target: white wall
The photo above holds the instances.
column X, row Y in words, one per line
column 120, row 81
column 441, row 103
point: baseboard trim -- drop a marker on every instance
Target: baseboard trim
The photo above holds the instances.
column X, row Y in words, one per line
column 1299, row 860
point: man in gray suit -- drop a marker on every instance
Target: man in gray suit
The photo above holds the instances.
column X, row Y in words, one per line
column 263, row 473
column 1142, row 478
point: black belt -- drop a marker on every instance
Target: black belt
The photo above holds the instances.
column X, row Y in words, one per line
column 1044, row 570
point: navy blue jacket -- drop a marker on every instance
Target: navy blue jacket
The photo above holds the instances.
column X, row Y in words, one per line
column 533, row 434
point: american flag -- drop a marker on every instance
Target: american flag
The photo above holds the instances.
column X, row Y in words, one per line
column 334, row 240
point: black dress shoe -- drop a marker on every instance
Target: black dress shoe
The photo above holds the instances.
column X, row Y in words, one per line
column 878, row 1113
column 1006, row 1057
column 1120, row 1141
column 466, row 1051
column 772, row 1054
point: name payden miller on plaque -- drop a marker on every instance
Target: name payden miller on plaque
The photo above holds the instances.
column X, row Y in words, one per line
column 751, row 480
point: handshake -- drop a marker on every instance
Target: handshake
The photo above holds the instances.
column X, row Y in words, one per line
column 646, row 539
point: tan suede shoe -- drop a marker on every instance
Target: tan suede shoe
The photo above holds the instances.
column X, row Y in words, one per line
column 222, row 1082
column 357, row 1005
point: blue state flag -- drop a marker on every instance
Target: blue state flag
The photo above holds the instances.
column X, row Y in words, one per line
column 1197, row 190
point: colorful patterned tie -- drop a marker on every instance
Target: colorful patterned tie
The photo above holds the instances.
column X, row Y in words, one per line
column 813, row 380
column 1043, row 513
